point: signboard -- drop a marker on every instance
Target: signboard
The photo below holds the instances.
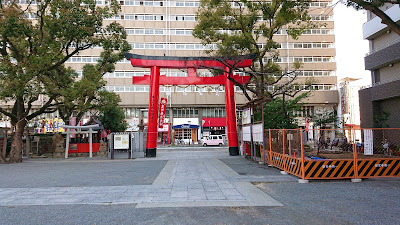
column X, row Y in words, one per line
column 163, row 128
column 53, row 125
column 121, row 141
column 310, row 133
column 368, row 142
column 163, row 106
column 258, row 132
column 246, row 116
column 344, row 96
column 246, row 133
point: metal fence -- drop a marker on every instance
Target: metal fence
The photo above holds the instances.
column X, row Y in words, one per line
column 334, row 153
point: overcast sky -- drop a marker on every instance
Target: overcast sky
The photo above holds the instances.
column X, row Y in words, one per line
column 350, row 46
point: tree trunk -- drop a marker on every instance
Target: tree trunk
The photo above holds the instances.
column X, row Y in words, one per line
column 16, row 144
column 4, row 147
column 4, row 150
column 2, row 159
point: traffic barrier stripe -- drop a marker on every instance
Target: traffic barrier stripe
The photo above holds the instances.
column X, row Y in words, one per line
column 379, row 168
column 293, row 166
column 278, row 160
column 329, row 169
column 289, row 164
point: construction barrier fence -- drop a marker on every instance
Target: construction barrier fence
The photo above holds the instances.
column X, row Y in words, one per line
column 334, row 153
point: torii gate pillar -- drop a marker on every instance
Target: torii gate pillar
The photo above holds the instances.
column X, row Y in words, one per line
column 231, row 115
column 151, row 143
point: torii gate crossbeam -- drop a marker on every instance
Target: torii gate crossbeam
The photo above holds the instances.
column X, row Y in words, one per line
column 191, row 64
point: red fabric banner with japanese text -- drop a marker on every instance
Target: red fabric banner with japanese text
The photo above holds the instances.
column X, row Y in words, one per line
column 163, row 107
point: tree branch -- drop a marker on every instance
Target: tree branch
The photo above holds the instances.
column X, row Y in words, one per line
column 378, row 12
column 5, row 112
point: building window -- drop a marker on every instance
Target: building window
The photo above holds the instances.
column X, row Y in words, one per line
column 214, row 112
column 181, row 134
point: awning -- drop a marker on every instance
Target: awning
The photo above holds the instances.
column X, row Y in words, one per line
column 214, row 122
column 185, row 126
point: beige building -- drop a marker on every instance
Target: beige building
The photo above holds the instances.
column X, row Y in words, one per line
column 165, row 28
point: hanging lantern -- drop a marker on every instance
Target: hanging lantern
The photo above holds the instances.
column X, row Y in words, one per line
column 168, row 93
column 184, row 92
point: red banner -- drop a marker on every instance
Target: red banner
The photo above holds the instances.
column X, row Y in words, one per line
column 163, row 107
column 307, row 123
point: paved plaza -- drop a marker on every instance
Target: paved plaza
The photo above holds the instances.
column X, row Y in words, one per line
column 188, row 179
column 185, row 186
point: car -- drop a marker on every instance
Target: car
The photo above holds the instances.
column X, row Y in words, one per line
column 213, row 140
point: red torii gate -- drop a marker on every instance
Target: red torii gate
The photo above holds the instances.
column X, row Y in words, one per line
column 191, row 64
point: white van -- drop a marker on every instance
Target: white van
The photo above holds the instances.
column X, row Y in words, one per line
column 213, row 140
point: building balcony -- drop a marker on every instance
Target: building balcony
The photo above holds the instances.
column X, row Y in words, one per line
column 374, row 27
column 382, row 90
column 383, row 56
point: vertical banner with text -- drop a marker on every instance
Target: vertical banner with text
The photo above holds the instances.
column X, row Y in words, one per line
column 163, row 107
column 368, row 142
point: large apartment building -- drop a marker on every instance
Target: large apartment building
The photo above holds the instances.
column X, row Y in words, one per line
column 164, row 28
column 379, row 102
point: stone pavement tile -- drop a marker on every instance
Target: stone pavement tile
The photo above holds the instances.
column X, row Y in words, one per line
column 127, row 199
column 196, row 191
column 113, row 196
column 179, row 188
column 131, row 193
column 160, row 194
column 143, row 199
column 7, row 192
column 180, row 199
column 61, row 196
column 194, row 181
column 115, row 191
column 230, row 192
column 147, row 194
column 211, row 189
column 139, row 199
column 161, row 199
column 198, row 197
column 98, row 198
column 63, row 200
column 163, row 190
column 235, row 198
column 179, row 194
column 215, row 195
column 17, row 198
column 195, row 186
column 210, row 184
column 226, row 185
column 205, row 180
column 61, row 192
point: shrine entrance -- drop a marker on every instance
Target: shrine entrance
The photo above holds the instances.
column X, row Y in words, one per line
column 191, row 64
